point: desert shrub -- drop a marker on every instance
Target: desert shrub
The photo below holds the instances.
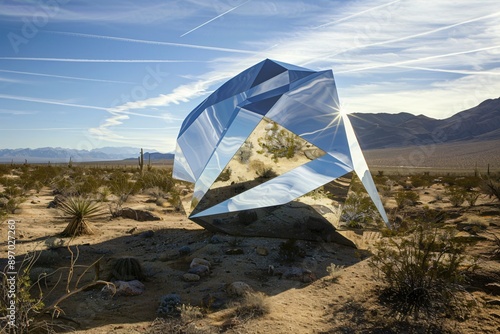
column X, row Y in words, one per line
column 424, row 272
column 87, row 185
column 358, row 210
column 468, row 182
column 423, row 181
column 334, row 271
column 10, row 205
column 266, row 172
column 155, row 192
column 471, row 197
column 245, row 152
column 27, row 303
column 491, row 188
column 225, row 175
column 289, row 251
column 406, row 198
column 103, row 193
column 158, row 178
column 121, row 185
column 456, row 195
column 126, row 269
column 79, row 210
column 175, row 199
column 190, row 313
column 280, row 143
column 254, row 305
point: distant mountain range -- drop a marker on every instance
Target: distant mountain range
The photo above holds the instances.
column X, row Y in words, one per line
column 374, row 131
column 58, row 155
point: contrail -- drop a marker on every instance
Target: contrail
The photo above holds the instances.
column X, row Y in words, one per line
column 357, row 14
column 111, row 110
column 29, row 99
column 143, row 41
column 418, row 59
column 78, row 60
column 213, row 19
column 418, row 35
column 449, row 71
column 65, row 77
column 43, row 129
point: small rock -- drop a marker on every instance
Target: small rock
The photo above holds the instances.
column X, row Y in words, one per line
column 262, row 251
column 56, row 201
column 298, row 274
column 197, row 261
column 215, row 240
column 35, row 201
column 237, row 289
column 129, row 288
column 200, row 270
column 234, row 251
column 188, row 277
column 185, row 250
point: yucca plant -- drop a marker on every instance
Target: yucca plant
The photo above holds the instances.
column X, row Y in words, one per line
column 79, row 209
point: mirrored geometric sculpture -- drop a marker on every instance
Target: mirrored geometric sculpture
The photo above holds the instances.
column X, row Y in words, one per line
column 270, row 153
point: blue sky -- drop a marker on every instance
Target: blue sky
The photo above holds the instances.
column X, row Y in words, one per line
column 88, row 74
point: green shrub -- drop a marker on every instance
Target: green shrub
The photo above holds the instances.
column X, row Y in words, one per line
column 406, row 198
column 424, row 272
column 225, row 175
column 158, row 178
column 280, row 143
column 122, row 186
column 358, row 210
column 28, row 303
column 471, row 197
column 456, row 195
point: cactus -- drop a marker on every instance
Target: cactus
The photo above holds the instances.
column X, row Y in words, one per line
column 141, row 161
column 126, row 269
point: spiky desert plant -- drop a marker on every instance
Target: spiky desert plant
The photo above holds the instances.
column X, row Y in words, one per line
column 126, row 269
column 79, row 210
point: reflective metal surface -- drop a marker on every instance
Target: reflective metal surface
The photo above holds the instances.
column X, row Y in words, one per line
column 271, row 154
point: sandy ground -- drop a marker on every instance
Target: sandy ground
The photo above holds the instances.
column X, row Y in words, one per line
column 316, row 304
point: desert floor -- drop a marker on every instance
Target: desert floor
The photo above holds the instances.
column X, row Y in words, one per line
column 311, row 302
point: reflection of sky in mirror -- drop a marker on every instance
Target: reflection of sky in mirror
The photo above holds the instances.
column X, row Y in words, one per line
column 239, row 130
